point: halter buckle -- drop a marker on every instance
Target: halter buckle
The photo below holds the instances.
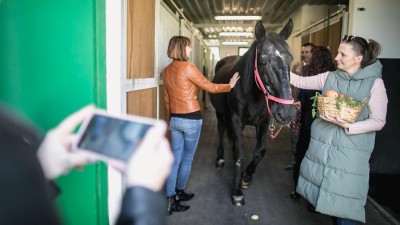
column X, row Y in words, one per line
column 271, row 127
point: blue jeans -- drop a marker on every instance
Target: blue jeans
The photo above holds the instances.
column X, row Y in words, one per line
column 185, row 134
column 342, row 221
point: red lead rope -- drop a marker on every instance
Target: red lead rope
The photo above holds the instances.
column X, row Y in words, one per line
column 268, row 96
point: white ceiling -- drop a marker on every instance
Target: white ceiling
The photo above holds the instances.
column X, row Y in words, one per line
column 274, row 14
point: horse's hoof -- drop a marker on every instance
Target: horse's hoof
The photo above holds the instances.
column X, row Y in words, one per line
column 237, row 200
column 220, row 163
column 245, row 185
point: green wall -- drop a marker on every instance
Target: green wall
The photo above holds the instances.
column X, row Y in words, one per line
column 52, row 62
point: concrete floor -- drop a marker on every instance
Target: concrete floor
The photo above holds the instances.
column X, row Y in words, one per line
column 268, row 195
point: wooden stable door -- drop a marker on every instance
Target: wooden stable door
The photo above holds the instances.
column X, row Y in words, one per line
column 141, row 95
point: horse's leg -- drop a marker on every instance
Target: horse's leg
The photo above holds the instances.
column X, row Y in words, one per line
column 237, row 195
column 259, row 153
column 220, row 162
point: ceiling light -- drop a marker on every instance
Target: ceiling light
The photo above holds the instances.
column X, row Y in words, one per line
column 238, row 17
column 212, row 42
column 234, row 42
column 235, row 34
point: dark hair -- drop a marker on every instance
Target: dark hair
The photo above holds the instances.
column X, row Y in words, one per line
column 177, row 48
column 321, row 60
column 308, row 44
column 370, row 49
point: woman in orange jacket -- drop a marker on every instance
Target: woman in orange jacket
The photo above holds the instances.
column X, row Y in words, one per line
column 182, row 81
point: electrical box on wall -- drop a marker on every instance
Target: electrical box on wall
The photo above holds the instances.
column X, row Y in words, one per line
column 376, row 20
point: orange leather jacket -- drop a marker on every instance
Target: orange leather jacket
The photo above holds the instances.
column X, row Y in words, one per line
column 182, row 81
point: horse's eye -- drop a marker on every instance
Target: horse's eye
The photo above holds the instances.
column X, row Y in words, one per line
column 264, row 62
column 269, row 88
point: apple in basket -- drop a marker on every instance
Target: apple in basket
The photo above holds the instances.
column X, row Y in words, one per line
column 331, row 94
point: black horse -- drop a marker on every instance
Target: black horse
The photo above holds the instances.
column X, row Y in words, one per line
column 262, row 92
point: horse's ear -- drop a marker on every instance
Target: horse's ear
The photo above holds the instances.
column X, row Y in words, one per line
column 287, row 30
column 260, row 31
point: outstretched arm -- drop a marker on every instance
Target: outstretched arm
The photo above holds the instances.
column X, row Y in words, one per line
column 201, row 81
column 316, row 82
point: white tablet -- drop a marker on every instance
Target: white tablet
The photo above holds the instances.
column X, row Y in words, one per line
column 113, row 138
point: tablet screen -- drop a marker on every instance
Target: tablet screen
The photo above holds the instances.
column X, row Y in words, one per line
column 113, row 137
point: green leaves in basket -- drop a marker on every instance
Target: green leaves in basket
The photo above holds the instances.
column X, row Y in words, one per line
column 314, row 105
column 339, row 101
column 349, row 101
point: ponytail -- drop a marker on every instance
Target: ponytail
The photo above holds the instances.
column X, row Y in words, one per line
column 374, row 49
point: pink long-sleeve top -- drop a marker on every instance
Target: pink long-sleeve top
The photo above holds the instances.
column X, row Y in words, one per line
column 377, row 102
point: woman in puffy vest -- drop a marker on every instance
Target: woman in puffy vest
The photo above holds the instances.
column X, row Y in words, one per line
column 334, row 174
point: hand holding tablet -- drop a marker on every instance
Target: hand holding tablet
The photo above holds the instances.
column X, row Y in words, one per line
column 114, row 138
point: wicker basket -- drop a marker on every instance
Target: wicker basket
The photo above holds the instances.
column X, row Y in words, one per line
column 328, row 106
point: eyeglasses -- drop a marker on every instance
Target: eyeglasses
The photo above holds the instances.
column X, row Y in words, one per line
column 359, row 40
column 348, row 38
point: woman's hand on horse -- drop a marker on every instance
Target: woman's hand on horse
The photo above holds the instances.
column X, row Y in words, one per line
column 234, row 79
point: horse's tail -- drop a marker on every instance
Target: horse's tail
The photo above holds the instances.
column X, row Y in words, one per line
column 225, row 122
column 229, row 130
column 228, row 125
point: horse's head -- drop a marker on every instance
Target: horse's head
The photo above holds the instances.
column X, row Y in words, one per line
column 273, row 65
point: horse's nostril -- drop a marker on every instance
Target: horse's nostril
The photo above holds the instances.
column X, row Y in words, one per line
column 282, row 119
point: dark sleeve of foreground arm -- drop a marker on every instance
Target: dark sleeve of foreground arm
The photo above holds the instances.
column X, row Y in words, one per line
column 25, row 193
column 141, row 206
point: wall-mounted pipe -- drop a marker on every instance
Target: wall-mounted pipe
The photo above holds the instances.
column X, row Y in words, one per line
column 182, row 16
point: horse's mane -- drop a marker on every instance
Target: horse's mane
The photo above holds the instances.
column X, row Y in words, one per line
column 246, row 68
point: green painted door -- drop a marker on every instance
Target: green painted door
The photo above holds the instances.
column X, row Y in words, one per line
column 52, row 62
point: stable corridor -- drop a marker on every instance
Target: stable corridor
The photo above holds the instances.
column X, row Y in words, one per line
column 268, row 195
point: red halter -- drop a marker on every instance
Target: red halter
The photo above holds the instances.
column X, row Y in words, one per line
column 262, row 88
column 268, row 96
